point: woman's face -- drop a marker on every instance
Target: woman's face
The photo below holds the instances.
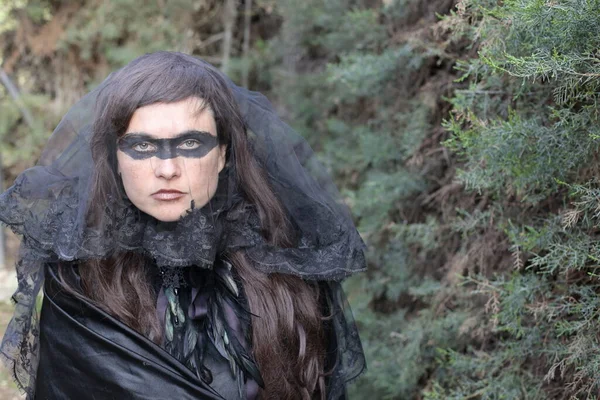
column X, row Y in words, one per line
column 169, row 156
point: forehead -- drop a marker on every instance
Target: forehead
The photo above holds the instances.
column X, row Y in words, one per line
column 167, row 120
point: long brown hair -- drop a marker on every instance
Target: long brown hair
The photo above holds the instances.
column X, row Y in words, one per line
column 287, row 327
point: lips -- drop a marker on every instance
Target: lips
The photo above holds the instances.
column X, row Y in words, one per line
column 167, row 195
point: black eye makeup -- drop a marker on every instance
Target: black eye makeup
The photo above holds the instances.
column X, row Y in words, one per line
column 190, row 144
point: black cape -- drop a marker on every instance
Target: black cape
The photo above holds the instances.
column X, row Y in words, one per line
column 87, row 354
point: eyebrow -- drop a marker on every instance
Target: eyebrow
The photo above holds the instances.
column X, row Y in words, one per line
column 144, row 135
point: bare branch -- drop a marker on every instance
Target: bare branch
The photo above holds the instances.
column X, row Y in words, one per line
column 14, row 93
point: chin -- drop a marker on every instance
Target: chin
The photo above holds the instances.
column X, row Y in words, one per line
column 168, row 216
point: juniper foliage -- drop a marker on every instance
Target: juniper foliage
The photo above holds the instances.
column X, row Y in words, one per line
column 524, row 124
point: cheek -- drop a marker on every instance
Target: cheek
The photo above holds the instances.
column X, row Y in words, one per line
column 200, row 170
column 132, row 172
column 203, row 174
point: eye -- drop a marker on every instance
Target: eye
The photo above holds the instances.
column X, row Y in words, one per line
column 143, row 147
column 190, row 144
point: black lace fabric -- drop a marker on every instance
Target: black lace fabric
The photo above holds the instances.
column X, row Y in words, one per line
column 48, row 205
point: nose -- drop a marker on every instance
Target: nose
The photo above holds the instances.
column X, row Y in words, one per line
column 167, row 169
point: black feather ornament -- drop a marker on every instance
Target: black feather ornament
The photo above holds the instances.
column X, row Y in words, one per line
column 187, row 338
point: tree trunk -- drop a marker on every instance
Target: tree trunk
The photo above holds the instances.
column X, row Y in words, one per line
column 246, row 60
column 229, row 16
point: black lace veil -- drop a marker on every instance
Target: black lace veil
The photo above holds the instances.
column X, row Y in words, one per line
column 48, row 206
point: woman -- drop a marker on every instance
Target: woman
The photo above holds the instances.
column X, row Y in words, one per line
column 189, row 247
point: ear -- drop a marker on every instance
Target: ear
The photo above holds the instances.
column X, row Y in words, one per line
column 222, row 153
